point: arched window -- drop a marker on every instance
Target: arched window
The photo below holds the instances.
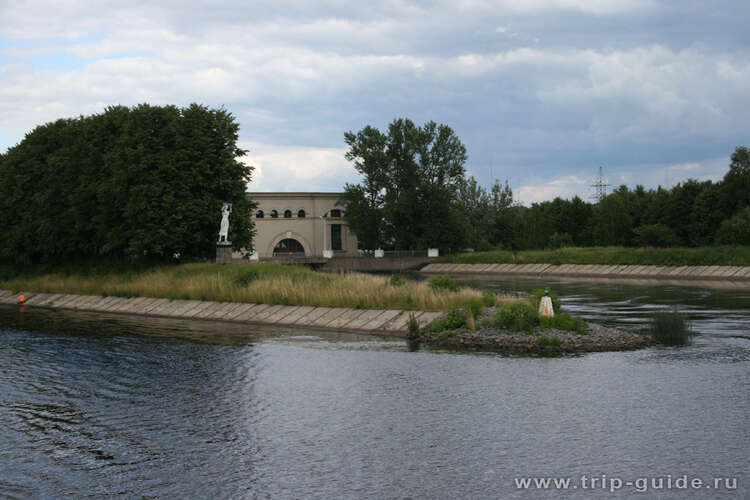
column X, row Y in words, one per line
column 335, row 212
column 287, row 214
column 259, row 214
column 288, row 246
column 274, row 214
column 301, row 214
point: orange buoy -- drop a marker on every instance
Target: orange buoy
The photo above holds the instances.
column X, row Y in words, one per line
column 21, row 299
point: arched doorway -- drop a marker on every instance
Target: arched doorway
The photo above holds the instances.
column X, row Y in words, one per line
column 286, row 246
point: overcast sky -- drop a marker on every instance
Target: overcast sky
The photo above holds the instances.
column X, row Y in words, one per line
column 542, row 92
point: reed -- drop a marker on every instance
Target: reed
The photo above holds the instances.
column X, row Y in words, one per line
column 257, row 283
column 671, row 328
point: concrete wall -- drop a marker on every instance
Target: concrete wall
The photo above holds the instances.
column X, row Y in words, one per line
column 369, row 264
column 390, row 321
column 697, row 273
column 308, row 230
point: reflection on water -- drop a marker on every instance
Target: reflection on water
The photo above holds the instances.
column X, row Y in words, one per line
column 90, row 409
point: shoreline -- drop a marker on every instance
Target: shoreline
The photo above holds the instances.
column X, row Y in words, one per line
column 382, row 321
column 598, row 339
column 368, row 321
column 673, row 273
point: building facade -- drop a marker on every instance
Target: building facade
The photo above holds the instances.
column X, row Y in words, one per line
column 301, row 224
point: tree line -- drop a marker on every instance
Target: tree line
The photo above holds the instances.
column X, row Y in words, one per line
column 140, row 183
column 691, row 214
column 415, row 194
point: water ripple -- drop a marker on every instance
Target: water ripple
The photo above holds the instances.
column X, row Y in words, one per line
column 95, row 407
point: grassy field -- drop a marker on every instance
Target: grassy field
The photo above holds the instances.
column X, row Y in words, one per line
column 702, row 256
column 257, row 283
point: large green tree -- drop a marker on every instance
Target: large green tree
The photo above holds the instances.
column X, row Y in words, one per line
column 485, row 212
column 410, row 180
column 736, row 182
column 145, row 182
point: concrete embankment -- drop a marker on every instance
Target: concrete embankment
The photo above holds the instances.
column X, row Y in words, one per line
column 391, row 322
column 729, row 273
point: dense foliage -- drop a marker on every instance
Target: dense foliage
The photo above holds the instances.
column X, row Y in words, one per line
column 408, row 194
column 641, row 256
column 140, row 183
column 690, row 214
column 414, row 194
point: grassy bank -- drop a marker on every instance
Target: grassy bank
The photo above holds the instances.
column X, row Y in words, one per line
column 702, row 256
column 257, row 283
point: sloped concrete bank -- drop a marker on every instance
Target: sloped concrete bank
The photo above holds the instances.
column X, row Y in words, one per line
column 729, row 273
column 391, row 322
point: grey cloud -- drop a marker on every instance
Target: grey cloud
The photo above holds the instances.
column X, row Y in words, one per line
column 537, row 89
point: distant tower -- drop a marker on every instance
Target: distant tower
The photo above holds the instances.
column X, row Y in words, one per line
column 600, row 187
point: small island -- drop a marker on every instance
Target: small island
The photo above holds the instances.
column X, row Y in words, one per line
column 540, row 341
column 516, row 327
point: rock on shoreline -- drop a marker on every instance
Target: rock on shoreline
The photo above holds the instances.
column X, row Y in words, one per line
column 599, row 338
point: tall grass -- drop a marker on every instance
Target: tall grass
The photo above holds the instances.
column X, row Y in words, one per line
column 702, row 256
column 671, row 328
column 258, row 283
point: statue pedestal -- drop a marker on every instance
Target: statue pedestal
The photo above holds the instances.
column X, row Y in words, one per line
column 224, row 252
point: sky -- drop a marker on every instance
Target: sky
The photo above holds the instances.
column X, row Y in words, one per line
column 541, row 92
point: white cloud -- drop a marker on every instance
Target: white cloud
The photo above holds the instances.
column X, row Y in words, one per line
column 602, row 7
column 297, row 168
column 304, row 74
column 564, row 187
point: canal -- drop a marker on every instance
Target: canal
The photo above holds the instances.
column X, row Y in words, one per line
column 115, row 406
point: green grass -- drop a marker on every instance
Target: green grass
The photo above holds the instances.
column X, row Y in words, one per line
column 520, row 316
column 452, row 320
column 548, row 342
column 524, row 316
column 489, row 299
column 671, row 328
column 564, row 321
column 442, row 283
column 413, row 327
column 702, row 256
column 257, row 283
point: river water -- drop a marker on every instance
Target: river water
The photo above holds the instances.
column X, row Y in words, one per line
column 107, row 406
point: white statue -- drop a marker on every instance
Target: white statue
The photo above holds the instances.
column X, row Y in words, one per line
column 224, row 227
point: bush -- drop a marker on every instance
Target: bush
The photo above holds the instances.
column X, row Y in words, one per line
column 537, row 295
column 671, row 328
column 655, row 235
column 453, row 319
column 246, row 276
column 735, row 231
column 474, row 307
column 489, row 299
column 560, row 240
column 443, row 283
column 519, row 316
column 565, row 321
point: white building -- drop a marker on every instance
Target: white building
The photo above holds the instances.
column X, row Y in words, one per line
column 300, row 224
